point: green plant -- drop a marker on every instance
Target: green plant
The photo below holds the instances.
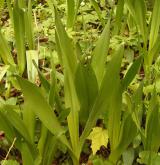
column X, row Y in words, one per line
column 60, row 111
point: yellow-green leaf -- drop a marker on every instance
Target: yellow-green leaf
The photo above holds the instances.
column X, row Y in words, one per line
column 99, row 137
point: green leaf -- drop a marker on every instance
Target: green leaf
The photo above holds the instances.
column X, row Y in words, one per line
column 126, row 137
column 133, row 70
column 138, row 106
column 153, row 125
column 86, row 88
column 5, row 51
column 19, row 30
column 27, row 155
column 140, row 18
column 16, row 121
column 31, row 70
column 29, row 26
column 50, row 148
column 154, row 52
column 118, row 18
column 68, row 56
column 70, row 13
column 53, row 86
column 99, row 137
column 6, row 127
column 100, row 53
column 9, row 6
column 69, row 61
column 115, row 114
column 103, row 99
column 29, row 120
column 155, row 23
column 38, row 104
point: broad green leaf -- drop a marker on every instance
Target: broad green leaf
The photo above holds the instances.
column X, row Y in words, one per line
column 99, row 137
column 72, row 10
column 6, row 127
column 27, row 155
column 100, row 53
column 103, row 99
column 28, row 114
column 155, row 23
column 15, row 119
column 133, row 70
column 69, row 61
column 41, row 108
column 137, row 9
column 152, row 127
column 138, row 106
column 126, row 137
column 68, row 57
column 49, row 150
column 29, row 120
column 21, row 3
column 140, row 18
column 114, row 114
column 154, row 52
column 19, row 31
column 87, row 89
column 42, row 140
